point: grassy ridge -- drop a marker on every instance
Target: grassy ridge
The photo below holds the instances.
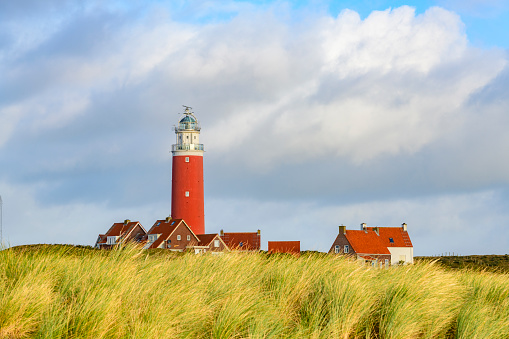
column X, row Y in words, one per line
column 65, row 292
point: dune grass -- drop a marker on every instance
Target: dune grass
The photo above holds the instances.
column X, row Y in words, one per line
column 64, row 292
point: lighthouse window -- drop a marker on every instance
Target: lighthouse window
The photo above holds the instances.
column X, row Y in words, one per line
column 187, row 193
column 187, row 159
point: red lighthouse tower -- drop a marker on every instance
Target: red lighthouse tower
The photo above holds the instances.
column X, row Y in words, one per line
column 187, row 174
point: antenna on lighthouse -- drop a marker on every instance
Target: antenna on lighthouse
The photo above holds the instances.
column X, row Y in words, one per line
column 188, row 109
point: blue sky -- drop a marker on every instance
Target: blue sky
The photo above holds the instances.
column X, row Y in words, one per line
column 314, row 114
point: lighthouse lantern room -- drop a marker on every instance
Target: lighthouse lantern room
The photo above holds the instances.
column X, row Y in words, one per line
column 187, row 174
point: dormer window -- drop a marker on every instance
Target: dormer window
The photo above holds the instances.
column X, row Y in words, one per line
column 391, row 240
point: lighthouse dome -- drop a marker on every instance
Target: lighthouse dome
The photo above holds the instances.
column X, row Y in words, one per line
column 187, row 119
column 188, row 122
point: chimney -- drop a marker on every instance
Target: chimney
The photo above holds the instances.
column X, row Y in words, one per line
column 259, row 232
column 364, row 227
column 377, row 230
column 342, row 229
column 168, row 219
column 221, row 233
column 126, row 221
column 403, row 226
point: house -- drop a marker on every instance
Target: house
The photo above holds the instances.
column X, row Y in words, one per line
column 173, row 234
column 377, row 245
column 292, row 247
column 121, row 232
column 211, row 243
column 242, row 241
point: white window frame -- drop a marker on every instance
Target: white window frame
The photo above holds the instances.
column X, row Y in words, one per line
column 216, row 243
column 346, row 249
column 111, row 240
column 152, row 237
column 188, row 237
column 336, row 249
column 187, row 159
column 178, row 237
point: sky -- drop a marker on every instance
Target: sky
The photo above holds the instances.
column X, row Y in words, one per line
column 314, row 114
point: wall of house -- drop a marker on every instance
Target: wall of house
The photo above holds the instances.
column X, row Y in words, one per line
column 341, row 241
column 136, row 234
column 221, row 247
column 183, row 242
column 398, row 252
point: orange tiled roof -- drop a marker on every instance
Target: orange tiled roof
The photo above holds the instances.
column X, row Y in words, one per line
column 206, row 239
column 399, row 237
column 366, row 242
column 247, row 241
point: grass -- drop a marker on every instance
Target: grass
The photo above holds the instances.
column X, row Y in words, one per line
column 67, row 292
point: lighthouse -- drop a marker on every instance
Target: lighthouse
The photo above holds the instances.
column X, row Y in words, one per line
column 187, row 174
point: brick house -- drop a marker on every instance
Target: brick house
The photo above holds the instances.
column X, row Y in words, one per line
column 242, row 241
column 173, row 234
column 377, row 245
column 121, row 232
column 292, row 247
column 211, row 243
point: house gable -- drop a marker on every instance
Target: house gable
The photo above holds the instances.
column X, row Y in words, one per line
column 174, row 234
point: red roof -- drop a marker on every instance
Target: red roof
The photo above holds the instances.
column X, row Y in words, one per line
column 246, row 241
column 366, row 242
column 118, row 229
column 206, row 239
column 399, row 237
column 284, row 246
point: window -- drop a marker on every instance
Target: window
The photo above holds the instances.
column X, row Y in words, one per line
column 187, row 136
column 172, row 222
column 336, row 249
column 178, row 237
column 386, row 262
column 152, row 237
column 188, row 238
column 187, row 159
column 187, row 193
column 112, row 240
column 347, row 249
column 158, row 223
column 391, row 240
column 216, row 243
column 195, row 136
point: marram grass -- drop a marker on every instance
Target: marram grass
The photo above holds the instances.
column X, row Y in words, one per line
column 63, row 292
